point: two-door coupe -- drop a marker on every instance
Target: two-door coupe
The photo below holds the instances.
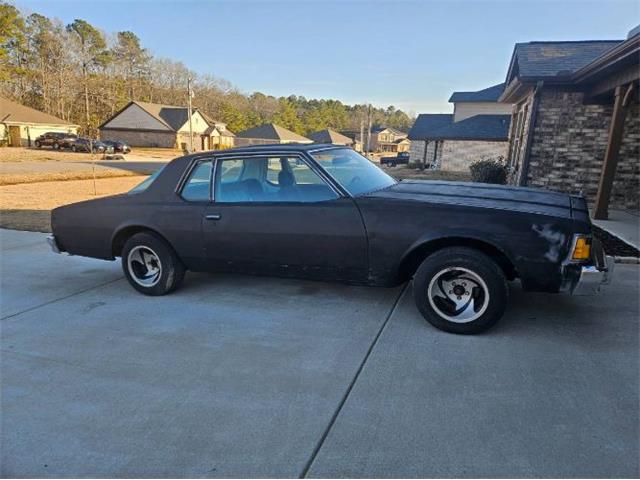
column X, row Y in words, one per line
column 328, row 213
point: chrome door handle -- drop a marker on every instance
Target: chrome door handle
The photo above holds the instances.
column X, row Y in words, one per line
column 213, row 216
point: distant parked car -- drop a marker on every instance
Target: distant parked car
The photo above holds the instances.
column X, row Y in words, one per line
column 401, row 159
column 56, row 140
column 117, row 146
column 82, row 144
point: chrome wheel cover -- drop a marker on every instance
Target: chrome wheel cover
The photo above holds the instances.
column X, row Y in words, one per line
column 144, row 266
column 458, row 294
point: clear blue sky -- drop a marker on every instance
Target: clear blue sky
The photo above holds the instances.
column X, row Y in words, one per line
column 410, row 54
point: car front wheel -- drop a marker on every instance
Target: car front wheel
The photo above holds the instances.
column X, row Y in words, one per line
column 56, row 146
column 37, row 144
column 150, row 264
column 460, row 290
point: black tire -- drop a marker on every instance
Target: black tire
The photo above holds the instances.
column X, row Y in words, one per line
column 56, row 146
column 37, row 144
column 476, row 268
column 73, row 148
column 171, row 272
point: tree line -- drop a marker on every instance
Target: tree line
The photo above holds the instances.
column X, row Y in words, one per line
column 83, row 75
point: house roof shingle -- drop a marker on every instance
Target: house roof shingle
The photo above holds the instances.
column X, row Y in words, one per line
column 330, row 136
column 554, row 59
column 15, row 112
column 489, row 94
column 478, row 127
column 271, row 131
column 428, row 123
column 172, row 116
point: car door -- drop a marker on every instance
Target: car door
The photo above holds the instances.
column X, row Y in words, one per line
column 275, row 214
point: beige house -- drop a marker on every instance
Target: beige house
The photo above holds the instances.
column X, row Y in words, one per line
column 477, row 129
column 142, row 124
column 269, row 133
column 21, row 125
column 385, row 139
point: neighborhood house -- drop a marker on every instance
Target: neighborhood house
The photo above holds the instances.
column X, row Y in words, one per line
column 21, row 125
column 477, row 129
column 142, row 124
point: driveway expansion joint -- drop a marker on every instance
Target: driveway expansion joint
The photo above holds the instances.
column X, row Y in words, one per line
column 35, row 307
column 347, row 392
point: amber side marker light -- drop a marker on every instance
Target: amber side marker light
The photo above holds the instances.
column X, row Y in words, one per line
column 582, row 248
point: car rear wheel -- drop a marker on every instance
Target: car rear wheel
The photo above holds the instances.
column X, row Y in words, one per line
column 56, row 146
column 150, row 264
column 38, row 144
column 460, row 290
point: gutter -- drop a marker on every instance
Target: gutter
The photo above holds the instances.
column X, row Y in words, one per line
column 532, row 124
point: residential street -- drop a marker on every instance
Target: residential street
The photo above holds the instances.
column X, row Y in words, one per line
column 236, row 376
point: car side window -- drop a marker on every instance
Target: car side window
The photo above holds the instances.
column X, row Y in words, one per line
column 197, row 187
column 270, row 180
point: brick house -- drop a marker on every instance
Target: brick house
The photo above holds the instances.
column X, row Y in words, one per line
column 576, row 124
column 143, row 124
column 477, row 129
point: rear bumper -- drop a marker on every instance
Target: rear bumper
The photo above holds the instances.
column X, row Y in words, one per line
column 590, row 278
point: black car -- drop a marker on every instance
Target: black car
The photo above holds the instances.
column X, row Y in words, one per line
column 82, row 144
column 327, row 213
column 401, row 158
column 56, row 140
column 117, row 146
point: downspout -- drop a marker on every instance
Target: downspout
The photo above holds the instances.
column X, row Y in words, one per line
column 532, row 124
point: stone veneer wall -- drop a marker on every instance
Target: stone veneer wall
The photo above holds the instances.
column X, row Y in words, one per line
column 458, row 155
column 140, row 138
column 569, row 143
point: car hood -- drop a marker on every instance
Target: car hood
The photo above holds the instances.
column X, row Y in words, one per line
column 484, row 195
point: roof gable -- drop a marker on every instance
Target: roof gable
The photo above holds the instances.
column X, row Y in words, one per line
column 135, row 117
column 11, row 111
column 330, row 136
column 489, row 94
column 555, row 59
column 271, row 131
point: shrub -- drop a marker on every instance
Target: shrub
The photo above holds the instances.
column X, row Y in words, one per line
column 489, row 171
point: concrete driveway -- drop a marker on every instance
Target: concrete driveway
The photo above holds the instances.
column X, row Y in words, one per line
column 252, row 377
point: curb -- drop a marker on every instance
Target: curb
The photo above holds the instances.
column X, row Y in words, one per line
column 628, row 260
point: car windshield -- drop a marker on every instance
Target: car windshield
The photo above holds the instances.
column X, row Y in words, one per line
column 141, row 187
column 355, row 173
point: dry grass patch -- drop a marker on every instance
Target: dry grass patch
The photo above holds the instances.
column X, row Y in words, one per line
column 35, row 177
column 28, row 206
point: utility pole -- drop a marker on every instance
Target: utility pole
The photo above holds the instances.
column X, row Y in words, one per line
column 190, row 95
column 369, row 129
column 362, row 135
